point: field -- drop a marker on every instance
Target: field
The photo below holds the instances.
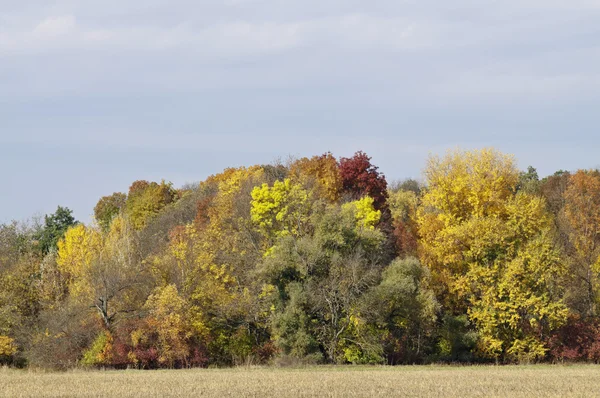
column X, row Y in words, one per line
column 406, row 381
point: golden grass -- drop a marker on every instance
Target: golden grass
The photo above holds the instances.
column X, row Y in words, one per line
column 406, row 381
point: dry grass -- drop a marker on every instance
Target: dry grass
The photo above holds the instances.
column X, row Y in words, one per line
column 407, row 381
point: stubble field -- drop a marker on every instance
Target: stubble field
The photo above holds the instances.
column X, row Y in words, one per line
column 405, row 381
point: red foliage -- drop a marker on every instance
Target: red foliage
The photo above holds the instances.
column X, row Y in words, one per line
column 177, row 234
column 578, row 340
column 202, row 217
column 266, row 352
column 360, row 177
column 406, row 238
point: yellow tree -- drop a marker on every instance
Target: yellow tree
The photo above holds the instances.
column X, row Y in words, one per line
column 490, row 252
column 7, row 346
column 280, row 210
column 320, row 174
column 168, row 320
column 364, row 212
column 146, row 199
column 77, row 252
column 211, row 262
column 105, row 272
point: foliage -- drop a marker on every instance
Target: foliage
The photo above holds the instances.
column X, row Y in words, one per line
column 99, row 352
column 107, row 208
column 321, row 278
column 577, row 340
column 361, row 178
column 146, row 199
column 55, row 225
column 403, row 205
column 166, row 329
column 491, row 253
column 321, row 173
column 317, row 261
column 582, row 213
column 7, row 346
column 280, row 210
column 405, row 308
column 364, row 212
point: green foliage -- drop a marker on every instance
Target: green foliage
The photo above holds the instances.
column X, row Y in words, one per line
column 98, row 353
column 292, row 327
column 321, row 279
column 405, row 308
column 456, row 340
column 529, row 181
column 55, row 226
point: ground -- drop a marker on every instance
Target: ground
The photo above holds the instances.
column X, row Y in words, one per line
column 402, row 381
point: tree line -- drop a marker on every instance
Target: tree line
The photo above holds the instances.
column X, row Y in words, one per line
column 315, row 261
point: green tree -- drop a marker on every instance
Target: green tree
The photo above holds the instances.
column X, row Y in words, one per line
column 405, row 309
column 321, row 278
column 55, row 226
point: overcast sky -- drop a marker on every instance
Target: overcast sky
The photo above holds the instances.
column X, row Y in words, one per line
column 97, row 94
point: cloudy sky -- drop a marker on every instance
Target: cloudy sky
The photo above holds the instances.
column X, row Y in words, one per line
column 97, row 93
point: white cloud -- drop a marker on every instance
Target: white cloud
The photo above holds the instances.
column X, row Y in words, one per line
column 223, row 38
column 54, row 26
column 425, row 49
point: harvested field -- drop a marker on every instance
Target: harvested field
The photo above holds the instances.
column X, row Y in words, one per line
column 405, row 381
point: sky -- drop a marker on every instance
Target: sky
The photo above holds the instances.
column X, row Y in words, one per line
column 95, row 94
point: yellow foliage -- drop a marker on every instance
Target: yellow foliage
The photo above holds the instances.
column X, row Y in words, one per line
column 471, row 183
column 168, row 317
column 145, row 202
column 77, row 251
column 7, row 346
column 280, row 210
column 364, row 212
column 321, row 173
column 490, row 251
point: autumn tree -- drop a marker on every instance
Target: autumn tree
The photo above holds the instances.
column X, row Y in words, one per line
column 361, row 178
column 280, row 210
column 320, row 174
column 403, row 204
column 20, row 301
column 106, row 272
column 145, row 199
column 478, row 238
column 107, row 208
column 582, row 213
column 167, row 328
column 211, row 262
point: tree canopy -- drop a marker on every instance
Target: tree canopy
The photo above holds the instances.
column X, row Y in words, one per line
column 317, row 261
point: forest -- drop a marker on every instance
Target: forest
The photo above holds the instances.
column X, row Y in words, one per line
column 316, row 261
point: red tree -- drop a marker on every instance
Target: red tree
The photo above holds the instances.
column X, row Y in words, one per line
column 360, row 177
